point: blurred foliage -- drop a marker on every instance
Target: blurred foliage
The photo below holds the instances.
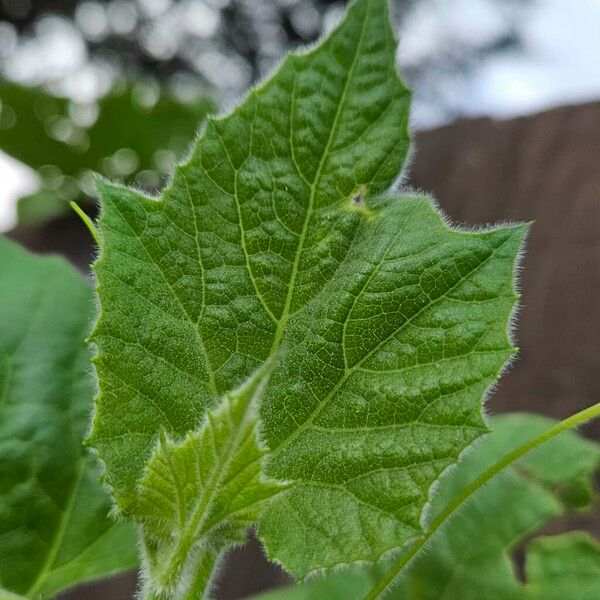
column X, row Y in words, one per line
column 134, row 134
column 228, row 44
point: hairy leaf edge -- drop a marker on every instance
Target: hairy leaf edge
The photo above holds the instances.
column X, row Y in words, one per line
column 522, row 228
column 104, row 185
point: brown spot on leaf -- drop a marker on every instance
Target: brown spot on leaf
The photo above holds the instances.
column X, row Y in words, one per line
column 358, row 199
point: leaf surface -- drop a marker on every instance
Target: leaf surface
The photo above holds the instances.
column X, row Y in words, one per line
column 382, row 385
column 472, row 556
column 202, row 493
column 277, row 232
column 348, row 584
column 197, row 287
column 563, row 566
column 54, row 529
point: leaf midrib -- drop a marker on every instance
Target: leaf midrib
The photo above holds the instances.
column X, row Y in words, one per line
column 286, row 314
column 220, row 469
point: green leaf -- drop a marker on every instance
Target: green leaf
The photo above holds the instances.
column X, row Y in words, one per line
column 54, row 529
column 275, row 233
column 122, row 135
column 529, row 495
column 199, row 496
column 350, row 583
column 381, row 389
column 563, row 566
column 511, row 507
column 197, row 288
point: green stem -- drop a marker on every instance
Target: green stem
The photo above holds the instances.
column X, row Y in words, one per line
column 203, row 578
column 165, row 573
column 86, row 221
column 573, row 421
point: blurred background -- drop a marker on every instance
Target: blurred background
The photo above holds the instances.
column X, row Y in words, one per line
column 506, row 121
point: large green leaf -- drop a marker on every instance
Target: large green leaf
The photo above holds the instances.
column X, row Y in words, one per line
column 130, row 133
column 54, row 529
column 512, row 506
column 274, row 233
column 199, row 496
column 197, row 288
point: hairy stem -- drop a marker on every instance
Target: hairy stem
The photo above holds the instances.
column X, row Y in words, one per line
column 205, row 573
column 172, row 577
column 388, row 581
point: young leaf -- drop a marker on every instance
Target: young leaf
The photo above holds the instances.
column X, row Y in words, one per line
column 200, row 495
column 454, row 567
column 54, row 529
column 273, row 233
column 197, row 288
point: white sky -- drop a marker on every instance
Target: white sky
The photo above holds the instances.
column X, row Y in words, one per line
column 560, row 65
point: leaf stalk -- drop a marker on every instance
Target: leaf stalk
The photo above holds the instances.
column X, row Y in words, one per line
column 181, row 576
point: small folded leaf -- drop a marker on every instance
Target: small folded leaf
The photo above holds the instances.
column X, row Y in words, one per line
column 200, row 495
column 54, row 528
